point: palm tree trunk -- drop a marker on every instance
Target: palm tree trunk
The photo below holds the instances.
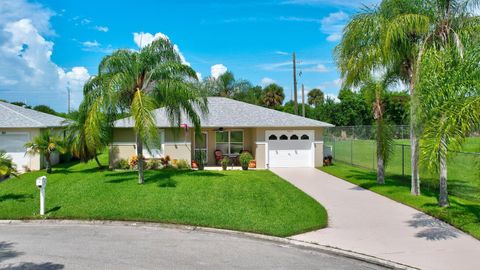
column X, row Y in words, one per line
column 48, row 163
column 380, row 170
column 414, row 146
column 141, row 178
column 443, row 196
column 98, row 162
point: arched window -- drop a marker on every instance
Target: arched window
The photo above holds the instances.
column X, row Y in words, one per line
column 283, row 137
column 272, row 137
column 305, row 137
column 294, row 137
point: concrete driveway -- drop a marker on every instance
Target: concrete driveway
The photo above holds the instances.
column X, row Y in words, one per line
column 123, row 246
column 365, row 222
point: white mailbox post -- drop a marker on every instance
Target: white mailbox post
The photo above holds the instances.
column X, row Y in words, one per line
column 41, row 184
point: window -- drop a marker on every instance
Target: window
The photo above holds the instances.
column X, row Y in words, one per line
column 305, row 137
column 229, row 142
column 272, row 137
column 283, row 137
column 156, row 147
column 294, row 137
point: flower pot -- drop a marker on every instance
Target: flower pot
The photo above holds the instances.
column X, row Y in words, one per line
column 252, row 164
column 244, row 167
column 224, row 167
column 194, row 164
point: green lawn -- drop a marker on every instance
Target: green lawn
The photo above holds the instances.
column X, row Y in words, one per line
column 463, row 168
column 253, row 201
column 464, row 212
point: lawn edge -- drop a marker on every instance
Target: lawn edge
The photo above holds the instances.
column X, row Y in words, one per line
column 279, row 240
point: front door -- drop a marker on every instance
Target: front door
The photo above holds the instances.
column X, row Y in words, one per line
column 201, row 145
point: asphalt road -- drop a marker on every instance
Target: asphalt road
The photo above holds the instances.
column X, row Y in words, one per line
column 86, row 246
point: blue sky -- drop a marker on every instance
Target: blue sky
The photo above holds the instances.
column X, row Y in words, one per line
column 47, row 46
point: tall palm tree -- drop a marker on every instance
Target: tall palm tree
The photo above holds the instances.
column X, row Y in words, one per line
column 46, row 144
column 226, row 85
column 452, row 111
column 272, row 95
column 315, row 97
column 375, row 92
column 76, row 136
column 393, row 36
column 138, row 82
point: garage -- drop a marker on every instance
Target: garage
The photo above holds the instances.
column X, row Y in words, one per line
column 13, row 143
column 290, row 148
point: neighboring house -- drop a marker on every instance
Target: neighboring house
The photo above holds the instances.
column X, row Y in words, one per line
column 18, row 126
column 275, row 139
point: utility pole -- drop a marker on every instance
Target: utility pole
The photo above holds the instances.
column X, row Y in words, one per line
column 295, row 103
column 303, row 100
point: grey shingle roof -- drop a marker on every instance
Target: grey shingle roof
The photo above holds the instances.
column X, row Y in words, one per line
column 13, row 116
column 224, row 112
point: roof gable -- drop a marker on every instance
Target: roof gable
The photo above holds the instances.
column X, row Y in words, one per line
column 225, row 112
column 13, row 116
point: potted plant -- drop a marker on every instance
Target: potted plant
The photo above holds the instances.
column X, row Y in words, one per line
column 200, row 158
column 245, row 159
column 225, row 162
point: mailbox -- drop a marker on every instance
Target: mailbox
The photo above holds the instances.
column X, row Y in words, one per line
column 41, row 182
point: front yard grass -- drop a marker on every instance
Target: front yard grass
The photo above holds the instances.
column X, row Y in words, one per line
column 252, row 201
column 463, row 212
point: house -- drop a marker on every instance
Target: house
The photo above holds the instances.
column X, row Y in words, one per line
column 18, row 126
column 275, row 139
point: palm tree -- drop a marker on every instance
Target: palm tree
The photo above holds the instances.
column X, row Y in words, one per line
column 226, row 85
column 7, row 167
column 46, row 144
column 452, row 111
column 375, row 92
column 393, row 37
column 272, row 96
column 315, row 97
column 138, row 82
column 76, row 138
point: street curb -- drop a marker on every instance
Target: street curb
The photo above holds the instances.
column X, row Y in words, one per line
column 290, row 241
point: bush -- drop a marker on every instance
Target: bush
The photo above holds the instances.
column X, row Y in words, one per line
column 182, row 164
column 153, row 164
column 245, row 158
column 123, row 164
column 225, row 161
column 165, row 161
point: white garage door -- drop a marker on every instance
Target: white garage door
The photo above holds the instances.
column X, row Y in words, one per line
column 13, row 144
column 290, row 148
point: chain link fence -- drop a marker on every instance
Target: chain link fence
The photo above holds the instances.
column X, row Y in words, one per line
column 355, row 145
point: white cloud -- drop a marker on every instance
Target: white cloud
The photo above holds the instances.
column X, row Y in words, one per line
column 26, row 67
column 281, row 53
column 143, row 39
column 333, row 25
column 331, row 86
column 332, row 96
column 91, row 44
column 334, row 3
column 303, row 66
column 266, row 81
column 217, row 70
column 101, row 28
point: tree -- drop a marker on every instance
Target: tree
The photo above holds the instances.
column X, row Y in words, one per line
column 76, row 136
column 250, row 95
column 393, row 37
column 21, row 104
column 137, row 82
column 272, row 96
column 315, row 97
column 7, row 167
column 45, row 109
column 375, row 92
column 450, row 88
column 46, row 144
column 397, row 107
column 226, row 85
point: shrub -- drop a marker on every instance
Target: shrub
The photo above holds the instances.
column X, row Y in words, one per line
column 225, row 161
column 182, row 164
column 165, row 161
column 153, row 164
column 123, row 164
column 245, row 158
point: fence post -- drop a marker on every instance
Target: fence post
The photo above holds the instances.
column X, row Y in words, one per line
column 351, row 151
column 403, row 160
